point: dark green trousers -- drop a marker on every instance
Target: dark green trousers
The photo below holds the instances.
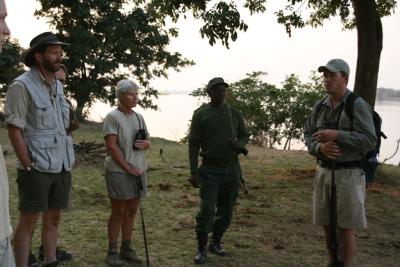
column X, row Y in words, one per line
column 219, row 189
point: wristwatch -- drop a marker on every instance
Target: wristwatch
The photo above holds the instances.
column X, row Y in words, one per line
column 29, row 167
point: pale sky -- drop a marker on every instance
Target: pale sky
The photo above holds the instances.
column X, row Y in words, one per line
column 264, row 47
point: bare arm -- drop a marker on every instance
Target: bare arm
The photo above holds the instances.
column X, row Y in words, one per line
column 19, row 145
column 113, row 149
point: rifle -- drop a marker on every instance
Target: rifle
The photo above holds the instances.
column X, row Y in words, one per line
column 242, row 150
column 243, row 185
column 333, row 243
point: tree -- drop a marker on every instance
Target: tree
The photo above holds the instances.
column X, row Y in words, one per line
column 298, row 100
column 259, row 103
column 111, row 40
column 222, row 21
column 10, row 64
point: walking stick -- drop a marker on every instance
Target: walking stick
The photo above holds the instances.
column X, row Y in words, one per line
column 333, row 221
column 139, row 186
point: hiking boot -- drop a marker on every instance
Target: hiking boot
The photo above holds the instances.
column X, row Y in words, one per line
column 332, row 264
column 201, row 255
column 32, row 261
column 129, row 255
column 215, row 245
column 53, row 264
column 217, row 249
column 113, row 259
column 61, row 255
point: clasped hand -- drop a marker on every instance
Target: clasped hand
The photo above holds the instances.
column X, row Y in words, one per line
column 328, row 146
column 327, row 135
column 135, row 171
column 141, row 144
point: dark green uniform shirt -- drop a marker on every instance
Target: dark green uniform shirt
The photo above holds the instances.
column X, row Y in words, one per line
column 211, row 131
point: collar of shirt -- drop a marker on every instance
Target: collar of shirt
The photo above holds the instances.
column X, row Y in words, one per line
column 328, row 102
column 209, row 106
column 50, row 86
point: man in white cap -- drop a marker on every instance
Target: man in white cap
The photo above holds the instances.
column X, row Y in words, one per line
column 6, row 253
column 37, row 118
column 339, row 144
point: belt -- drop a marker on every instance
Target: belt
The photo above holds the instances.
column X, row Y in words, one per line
column 216, row 163
column 340, row 165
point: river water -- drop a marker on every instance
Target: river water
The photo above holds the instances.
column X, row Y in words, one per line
column 172, row 120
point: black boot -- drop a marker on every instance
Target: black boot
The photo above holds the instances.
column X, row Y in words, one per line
column 201, row 255
column 215, row 245
column 53, row 264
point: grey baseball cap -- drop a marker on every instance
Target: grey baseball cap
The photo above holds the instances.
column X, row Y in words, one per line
column 214, row 81
column 335, row 65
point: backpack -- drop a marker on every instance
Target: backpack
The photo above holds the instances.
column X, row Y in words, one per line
column 377, row 120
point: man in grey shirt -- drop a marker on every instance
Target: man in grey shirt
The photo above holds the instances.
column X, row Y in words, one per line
column 339, row 144
column 37, row 121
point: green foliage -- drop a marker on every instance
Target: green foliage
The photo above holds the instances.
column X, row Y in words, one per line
column 110, row 41
column 10, row 64
column 298, row 100
column 272, row 114
column 221, row 23
column 222, row 19
column 258, row 101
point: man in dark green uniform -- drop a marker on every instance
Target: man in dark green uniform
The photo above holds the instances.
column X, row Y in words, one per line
column 219, row 132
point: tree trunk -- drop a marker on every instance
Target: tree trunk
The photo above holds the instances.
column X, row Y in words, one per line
column 80, row 115
column 369, row 32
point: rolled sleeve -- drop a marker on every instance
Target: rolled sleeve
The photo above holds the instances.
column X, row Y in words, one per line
column 110, row 126
column 16, row 107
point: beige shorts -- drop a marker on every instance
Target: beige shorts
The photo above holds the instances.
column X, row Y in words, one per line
column 350, row 195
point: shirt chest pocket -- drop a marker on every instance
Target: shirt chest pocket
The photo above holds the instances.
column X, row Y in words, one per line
column 43, row 115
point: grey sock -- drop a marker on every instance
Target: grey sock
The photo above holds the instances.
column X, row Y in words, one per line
column 112, row 247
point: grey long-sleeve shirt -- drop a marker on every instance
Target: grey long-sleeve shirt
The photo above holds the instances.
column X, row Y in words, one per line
column 354, row 139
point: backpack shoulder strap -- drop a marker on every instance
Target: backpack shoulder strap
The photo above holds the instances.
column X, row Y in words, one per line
column 349, row 107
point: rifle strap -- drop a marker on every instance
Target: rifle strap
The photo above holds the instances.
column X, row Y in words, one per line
column 230, row 120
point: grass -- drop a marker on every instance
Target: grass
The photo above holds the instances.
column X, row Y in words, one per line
column 271, row 226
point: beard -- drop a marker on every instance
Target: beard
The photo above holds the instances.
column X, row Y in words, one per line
column 51, row 66
column 2, row 40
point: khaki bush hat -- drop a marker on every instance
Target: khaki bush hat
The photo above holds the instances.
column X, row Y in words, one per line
column 46, row 38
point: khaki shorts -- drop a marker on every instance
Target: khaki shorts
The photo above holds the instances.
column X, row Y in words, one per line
column 350, row 195
column 123, row 186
